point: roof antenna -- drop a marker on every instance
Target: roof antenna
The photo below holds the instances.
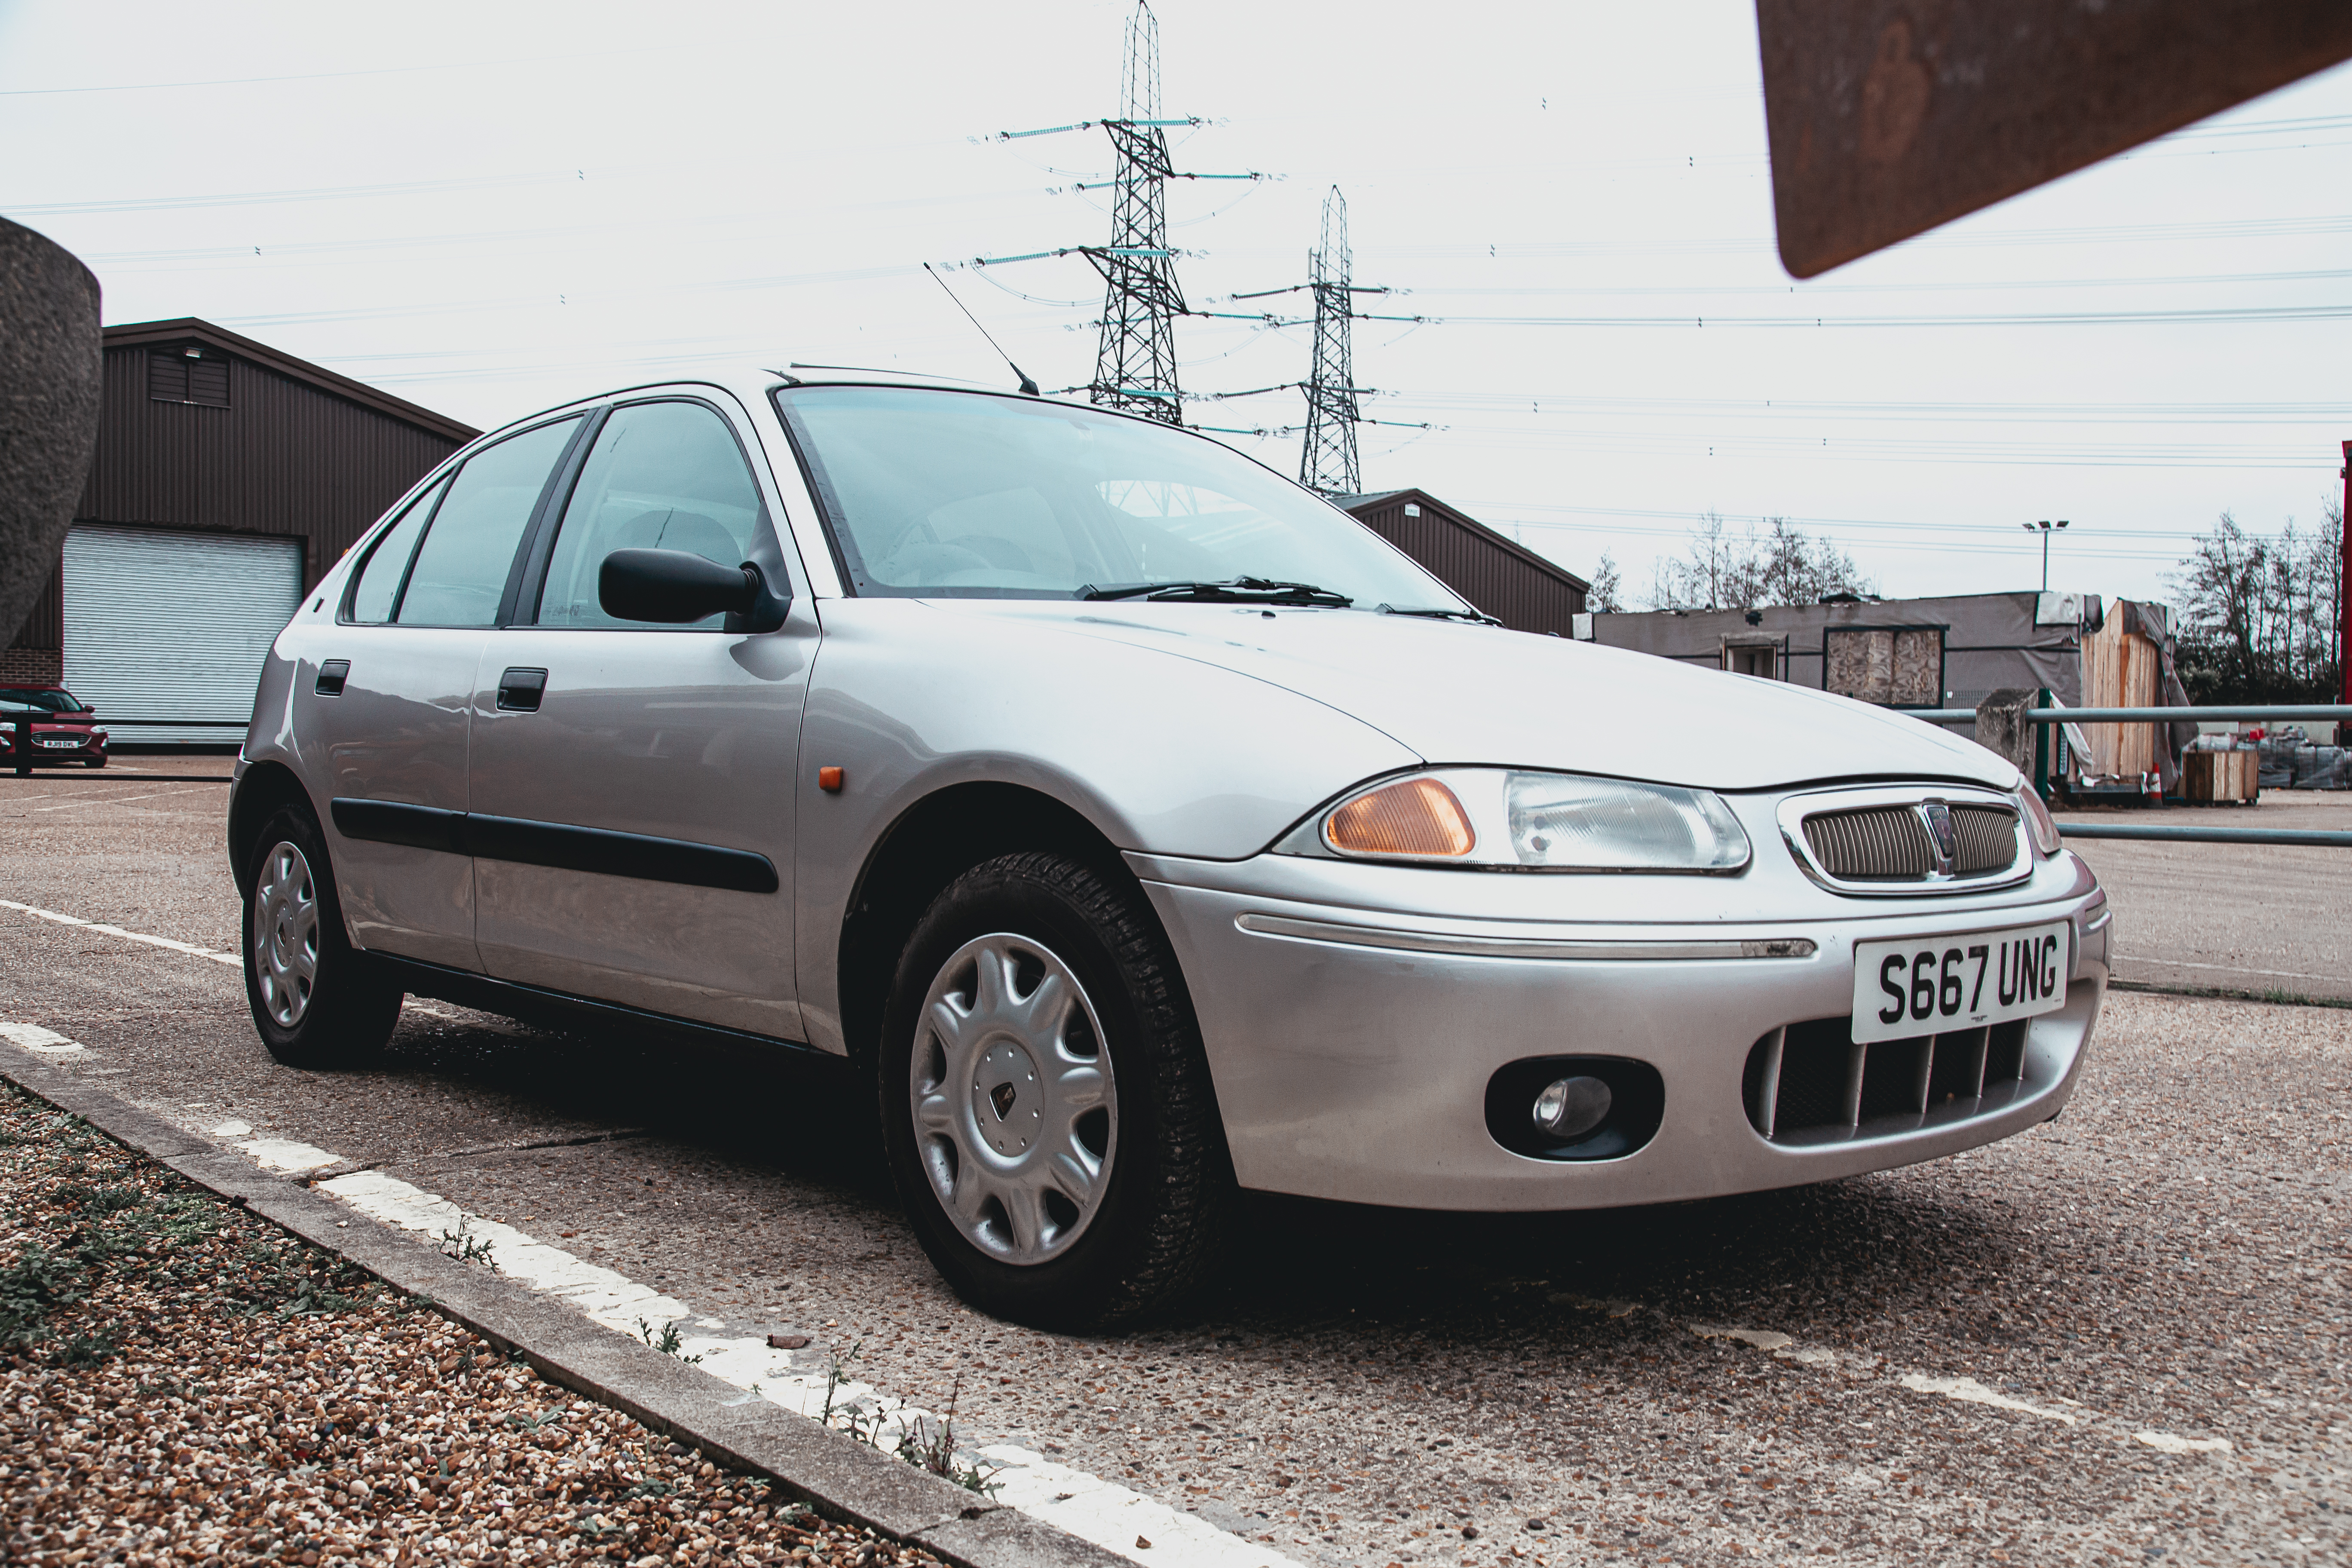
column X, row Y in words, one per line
column 1027, row 385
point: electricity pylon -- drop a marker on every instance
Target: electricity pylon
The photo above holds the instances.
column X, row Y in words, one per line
column 1135, row 368
column 1328, row 463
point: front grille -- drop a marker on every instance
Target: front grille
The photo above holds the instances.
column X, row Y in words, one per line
column 1811, row 1083
column 1883, row 844
column 1891, row 843
column 1988, row 840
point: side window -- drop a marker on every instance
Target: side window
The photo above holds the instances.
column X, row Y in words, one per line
column 662, row 476
column 377, row 593
column 461, row 570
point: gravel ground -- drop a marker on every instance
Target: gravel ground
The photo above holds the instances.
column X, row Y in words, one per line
column 184, row 1383
column 2026, row 1354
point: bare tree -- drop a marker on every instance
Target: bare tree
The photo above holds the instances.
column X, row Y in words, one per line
column 1607, row 593
column 2259, row 618
column 1728, row 571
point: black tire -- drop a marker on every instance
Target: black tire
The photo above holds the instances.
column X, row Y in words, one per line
column 340, row 1013
column 1165, row 1178
column 93, row 762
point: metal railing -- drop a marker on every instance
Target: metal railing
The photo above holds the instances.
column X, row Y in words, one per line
column 2264, row 712
column 2272, row 713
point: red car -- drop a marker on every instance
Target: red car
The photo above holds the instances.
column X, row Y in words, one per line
column 64, row 730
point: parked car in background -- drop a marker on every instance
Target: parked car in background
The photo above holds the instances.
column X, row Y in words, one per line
column 63, row 730
column 1140, row 825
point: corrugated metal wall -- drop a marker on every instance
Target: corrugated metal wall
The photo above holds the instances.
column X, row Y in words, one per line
column 284, row 458
column 1503, row 578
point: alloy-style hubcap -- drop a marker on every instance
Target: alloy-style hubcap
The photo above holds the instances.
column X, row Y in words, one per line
column 1016, row 1118
column 285, row 935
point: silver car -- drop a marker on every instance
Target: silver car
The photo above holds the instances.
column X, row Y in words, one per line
column 1146, row 828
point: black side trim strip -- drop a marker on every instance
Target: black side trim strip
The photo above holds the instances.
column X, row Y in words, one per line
column 556, row 844
column 391, row 822
column 570, row 848
column 532, row 1003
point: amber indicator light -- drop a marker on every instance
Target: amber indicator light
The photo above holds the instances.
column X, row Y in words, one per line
column 1415, row 817
column 830, row 780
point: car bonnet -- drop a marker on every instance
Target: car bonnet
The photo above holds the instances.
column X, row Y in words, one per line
column 1460, row 693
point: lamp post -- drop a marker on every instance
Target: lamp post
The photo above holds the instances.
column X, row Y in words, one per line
column 2046, row 526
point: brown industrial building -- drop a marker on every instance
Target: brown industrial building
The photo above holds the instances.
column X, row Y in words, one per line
column 1499, row 576
column 228, row 477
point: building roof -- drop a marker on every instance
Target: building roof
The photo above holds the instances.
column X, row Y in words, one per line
column 1357, row 506
column 189, row 328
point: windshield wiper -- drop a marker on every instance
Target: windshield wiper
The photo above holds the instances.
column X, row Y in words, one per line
column 1232, row 591
column 1474, row 617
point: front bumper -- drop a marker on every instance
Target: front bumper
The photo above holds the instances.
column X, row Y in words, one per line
column 1356, row 1070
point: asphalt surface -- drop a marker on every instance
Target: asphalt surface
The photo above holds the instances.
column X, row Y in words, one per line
column 2258, row 918
column 2027, row 1354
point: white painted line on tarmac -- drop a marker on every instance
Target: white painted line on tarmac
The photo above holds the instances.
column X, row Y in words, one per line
column 2173, row 1443
column 1109, row 1515
column 191, row 949
column 34, row 1038
column 1971, row 1391
column 106, row 800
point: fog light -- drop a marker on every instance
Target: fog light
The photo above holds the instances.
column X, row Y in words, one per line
column 1571, row 1107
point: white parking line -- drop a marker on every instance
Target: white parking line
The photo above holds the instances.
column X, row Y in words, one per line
column 1109, row 1515
column 109, row 800
column 34, row 1038
column 232, row 959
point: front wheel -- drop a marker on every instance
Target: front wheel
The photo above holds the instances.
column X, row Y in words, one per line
column 1045, row 1105
column 318, row 1001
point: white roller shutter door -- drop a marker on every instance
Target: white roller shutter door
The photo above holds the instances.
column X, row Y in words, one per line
column 161, row 623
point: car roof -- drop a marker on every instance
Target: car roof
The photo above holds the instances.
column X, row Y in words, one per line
column 751, row 380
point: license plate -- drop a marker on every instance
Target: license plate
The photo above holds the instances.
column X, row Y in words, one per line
column 1926, row 984
column 65, row 745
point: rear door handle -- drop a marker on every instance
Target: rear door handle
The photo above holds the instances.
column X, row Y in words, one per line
column 331, row 676
column 520, row 690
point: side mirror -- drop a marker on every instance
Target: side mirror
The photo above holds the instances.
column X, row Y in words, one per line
column 675, row 587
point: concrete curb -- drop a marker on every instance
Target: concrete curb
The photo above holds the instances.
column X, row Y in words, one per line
column 832, row 1472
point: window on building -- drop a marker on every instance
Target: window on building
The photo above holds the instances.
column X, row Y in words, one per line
column 188, row 375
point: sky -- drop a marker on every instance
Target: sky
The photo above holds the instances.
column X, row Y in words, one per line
column 492, row 207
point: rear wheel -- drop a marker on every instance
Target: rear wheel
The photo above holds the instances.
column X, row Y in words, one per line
column 318, row 1001
column 1045, row 1104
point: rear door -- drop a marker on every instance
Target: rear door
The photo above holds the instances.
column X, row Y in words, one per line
column 385, row 712
column 632, row 791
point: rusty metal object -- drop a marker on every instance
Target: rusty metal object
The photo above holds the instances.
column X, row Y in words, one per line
column 1888, row 117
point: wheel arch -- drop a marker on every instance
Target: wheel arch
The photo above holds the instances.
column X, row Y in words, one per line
column 932, row 841
column 258, row 795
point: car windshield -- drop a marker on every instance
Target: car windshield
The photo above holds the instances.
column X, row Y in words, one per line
column 933, row 493
column 42, row 701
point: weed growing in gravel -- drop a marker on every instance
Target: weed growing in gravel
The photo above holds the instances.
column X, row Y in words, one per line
column 465, row 1246
column 666, row 1342
column 29, row 1287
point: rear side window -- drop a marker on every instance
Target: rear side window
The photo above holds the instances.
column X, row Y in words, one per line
column 662, row 476
column 461, row 570
column 376, row 594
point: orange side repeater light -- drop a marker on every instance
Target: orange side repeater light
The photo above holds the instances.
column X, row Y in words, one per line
column 1418, row 818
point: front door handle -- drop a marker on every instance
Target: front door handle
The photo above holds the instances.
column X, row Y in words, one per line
column 520, row 690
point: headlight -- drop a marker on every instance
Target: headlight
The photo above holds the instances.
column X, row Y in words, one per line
column 1498, row 819
column 2039, row 825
